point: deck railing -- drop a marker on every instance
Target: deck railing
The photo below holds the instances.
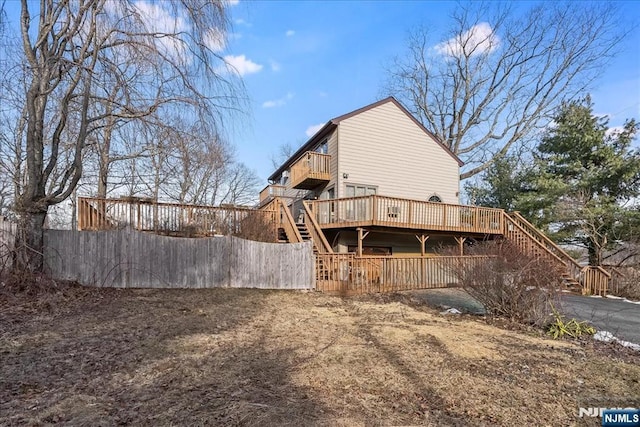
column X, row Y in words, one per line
column 165, row 218
column 595, row 280
column 320, row 242
column 270, row 192
column 405, row 213
column 311, row 167
column 348, row 274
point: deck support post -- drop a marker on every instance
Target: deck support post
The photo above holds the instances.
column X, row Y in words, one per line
column 423, row 240
column 361, row 235
column 461, row 241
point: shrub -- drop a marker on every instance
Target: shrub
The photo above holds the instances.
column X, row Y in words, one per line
column 561, row 328
column 625, row 282
column 510, row 283
column 258, row 226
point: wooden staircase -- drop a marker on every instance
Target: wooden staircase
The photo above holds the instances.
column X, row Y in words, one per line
column 536, row 244
column 290, row 231
column 304, row 232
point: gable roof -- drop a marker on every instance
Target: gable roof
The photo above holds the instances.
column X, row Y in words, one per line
column 333, row 123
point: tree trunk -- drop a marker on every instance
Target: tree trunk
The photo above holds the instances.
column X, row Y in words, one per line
column 30, row 242
column 595, row 254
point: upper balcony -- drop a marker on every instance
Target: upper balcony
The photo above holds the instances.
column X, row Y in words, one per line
column 311, row 170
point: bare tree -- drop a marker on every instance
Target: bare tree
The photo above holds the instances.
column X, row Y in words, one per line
column 499, row 74
column 241, row 186
column 282, row 154
column 200, row 159
column 67, row 47
column 186, row 163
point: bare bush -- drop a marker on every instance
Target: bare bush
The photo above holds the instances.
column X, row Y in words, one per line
column 510, row 283
column 625, row 282
column 258, row 226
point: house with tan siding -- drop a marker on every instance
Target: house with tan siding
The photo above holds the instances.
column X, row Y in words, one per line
column 377, row 194
column 377, row 179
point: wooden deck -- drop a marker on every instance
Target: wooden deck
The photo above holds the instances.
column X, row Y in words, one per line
column 346, row 273
column 372, row 211
column 166, row 218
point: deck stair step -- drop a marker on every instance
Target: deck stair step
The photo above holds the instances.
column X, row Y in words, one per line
column 304, row 232
column 282, row 236
column 570, row 283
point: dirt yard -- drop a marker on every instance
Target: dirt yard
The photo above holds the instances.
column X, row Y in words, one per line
column 79, row 356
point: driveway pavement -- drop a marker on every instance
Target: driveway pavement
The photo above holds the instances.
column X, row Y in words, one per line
column 619, row 317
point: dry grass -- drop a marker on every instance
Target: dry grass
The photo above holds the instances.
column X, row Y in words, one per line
column 247, row 357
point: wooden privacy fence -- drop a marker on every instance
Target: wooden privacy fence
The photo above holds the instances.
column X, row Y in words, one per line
column 8, row 231
column 167, row 218
column 130, row 259
column 348, row 274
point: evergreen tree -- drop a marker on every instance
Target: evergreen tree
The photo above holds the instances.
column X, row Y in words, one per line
column 586, row 180
column 501, row 184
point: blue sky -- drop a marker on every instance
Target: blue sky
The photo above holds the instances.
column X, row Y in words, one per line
column 313, row 61
column 305, row 62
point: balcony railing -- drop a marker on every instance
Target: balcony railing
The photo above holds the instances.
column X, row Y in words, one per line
column 404, row 213
column 311, row 170
column 271, row 191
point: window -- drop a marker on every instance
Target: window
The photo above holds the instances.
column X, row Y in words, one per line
column 331, row 193
column 323, row 148
column 359, row 190
column 435, row 198
column 358, row 209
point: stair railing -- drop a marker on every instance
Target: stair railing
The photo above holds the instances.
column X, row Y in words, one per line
column 546, row 241
column 595, row 280
column 517, row 230
column 319, row 241
column 285, row 220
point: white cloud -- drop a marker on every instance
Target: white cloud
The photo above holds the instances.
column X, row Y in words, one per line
column 290, row 33
column 478, row 39
column 241, row 21
column 231, row 2
column 159, row 20
column 275, row 66
column 278, row 102
column 215, row 40
column 311, row 130
column 613, row 131
column 241, row 65
column 322, row 94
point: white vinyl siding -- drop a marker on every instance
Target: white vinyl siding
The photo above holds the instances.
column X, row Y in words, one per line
column 382, row 147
